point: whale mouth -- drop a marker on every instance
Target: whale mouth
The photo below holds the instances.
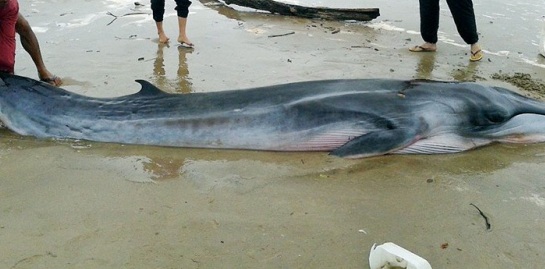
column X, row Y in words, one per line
column 523, row 128
column 523, row 139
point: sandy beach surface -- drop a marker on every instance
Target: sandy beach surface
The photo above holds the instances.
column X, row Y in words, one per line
column 79, row 204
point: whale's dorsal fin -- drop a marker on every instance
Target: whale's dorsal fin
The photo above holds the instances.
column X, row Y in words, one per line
column 148, row 88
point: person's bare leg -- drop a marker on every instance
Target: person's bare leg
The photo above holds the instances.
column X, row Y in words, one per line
column 182, row 37
column 475, row 47
column 163, row 38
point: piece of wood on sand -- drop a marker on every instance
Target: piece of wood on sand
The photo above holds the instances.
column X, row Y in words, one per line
column 357, row 14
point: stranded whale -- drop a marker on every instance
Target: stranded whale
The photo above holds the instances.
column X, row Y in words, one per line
column 348, row 118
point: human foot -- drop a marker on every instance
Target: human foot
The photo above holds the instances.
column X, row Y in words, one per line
column 184, row 41
column 163, row 38
column 426, row 47
column 476, row 53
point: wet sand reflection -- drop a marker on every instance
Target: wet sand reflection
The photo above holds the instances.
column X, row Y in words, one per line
column 182, row 83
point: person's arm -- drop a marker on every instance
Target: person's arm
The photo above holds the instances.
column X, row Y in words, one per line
column 31, row 45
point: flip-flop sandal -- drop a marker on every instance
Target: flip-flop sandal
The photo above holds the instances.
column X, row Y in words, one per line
column 421, row 49
column 51, row 80
column 186, row 45
column 476, row 56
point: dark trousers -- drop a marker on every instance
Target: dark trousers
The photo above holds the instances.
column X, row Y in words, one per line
column 158, row 8
column 462, row 12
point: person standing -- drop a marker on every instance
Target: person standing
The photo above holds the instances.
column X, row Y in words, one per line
column 11, row 22
column 182, row 8
column 464, row 18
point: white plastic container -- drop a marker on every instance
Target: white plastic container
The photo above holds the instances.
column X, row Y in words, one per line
column 391, row 255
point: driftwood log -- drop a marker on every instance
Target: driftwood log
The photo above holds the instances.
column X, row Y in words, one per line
column 358, row 14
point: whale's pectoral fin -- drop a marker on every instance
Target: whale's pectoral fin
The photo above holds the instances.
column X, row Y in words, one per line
column 377, row 143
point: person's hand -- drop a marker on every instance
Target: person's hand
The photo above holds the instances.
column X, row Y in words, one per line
column 53, row 80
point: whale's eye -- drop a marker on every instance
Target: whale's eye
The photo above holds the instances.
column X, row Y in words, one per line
column 497, row 116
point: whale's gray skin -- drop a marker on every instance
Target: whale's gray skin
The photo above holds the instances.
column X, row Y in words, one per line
column 350, row 118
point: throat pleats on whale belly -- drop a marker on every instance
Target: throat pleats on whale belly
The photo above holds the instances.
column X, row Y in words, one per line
column 446, row 143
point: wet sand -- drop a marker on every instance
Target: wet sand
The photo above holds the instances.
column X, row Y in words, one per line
column 73, row 204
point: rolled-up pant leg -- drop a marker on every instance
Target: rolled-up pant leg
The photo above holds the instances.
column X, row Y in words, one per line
column 158, row 8
column 182, row 8
column 429, row 20
column 464, row 18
